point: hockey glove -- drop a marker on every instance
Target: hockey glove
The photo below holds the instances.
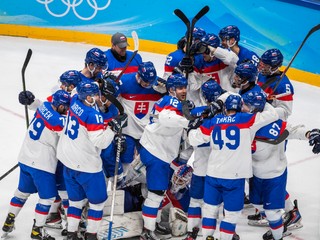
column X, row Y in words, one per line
column 26, row 97
column 161, row 82
column 314, row 140
column 119, row 122
column 186, row 65
column 213, row 109
column 123, row 143
column 194, row 124
column 190, row 104
column 199, row 48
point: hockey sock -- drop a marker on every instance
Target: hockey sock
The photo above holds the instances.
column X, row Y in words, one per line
column 95, row 213
column 194, row 214
column 150, row 210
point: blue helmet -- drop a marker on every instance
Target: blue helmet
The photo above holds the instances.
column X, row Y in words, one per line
column 198, row 33
column 176, row 80
column 272, row 57
column 61, row 97
column 97, row 57
column 87, row 88
column 211, row 90
column 110, row 87
column 255, row 100
column 147, row 72
column 233, row 102
column 70, row 77
column 247, row 72
column 211, row 39
column 230, row 31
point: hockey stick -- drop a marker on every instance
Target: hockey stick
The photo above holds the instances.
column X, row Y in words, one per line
column 136, row 48
column 190, row 26
column 112, row 99
column 312, row 30
column 280, row 139
column 23, row 70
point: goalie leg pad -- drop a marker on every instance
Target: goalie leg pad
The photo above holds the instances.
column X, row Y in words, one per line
column 178, row 221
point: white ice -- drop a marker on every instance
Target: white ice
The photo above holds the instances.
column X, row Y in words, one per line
column 51, row 58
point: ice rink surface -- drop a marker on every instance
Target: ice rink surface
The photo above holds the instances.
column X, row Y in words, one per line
column 50, row 59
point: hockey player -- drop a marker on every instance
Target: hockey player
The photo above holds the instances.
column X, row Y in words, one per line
column 118, row 55
column 94, row 64
column 282, row 100
column 38, row 162
column 160, row 146
column 230, row 136
column 173, row 59
column 230, row 38
column 79, row 150
column 68, row 81
column 217, row 63
column 211, row 90
column 137, row 97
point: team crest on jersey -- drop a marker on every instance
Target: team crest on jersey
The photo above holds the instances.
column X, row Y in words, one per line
column 141, row 109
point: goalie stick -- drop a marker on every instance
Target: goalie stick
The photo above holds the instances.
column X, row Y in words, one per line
column 312, row 30
column 136, row 48
column 23, row 70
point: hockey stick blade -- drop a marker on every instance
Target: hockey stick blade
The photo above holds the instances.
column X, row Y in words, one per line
column 25, row 64
column 200, row 14
column 312, row 30
column 183, row 17
column 280, row 139
column 135, row 40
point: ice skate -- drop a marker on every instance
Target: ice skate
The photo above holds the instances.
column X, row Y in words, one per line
column 8, row 225
column 40, row 233
column 192, row 235
column 292, row 219
column 149, row 235
column 54, row 221
column 258, row 220
column 163, row 230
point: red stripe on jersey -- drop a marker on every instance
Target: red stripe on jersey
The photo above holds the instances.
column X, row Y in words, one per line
column 57, row 128
column 89, row 127
column 214, row 68
column 130, row 69
column 50, row 98
column 141, row 97
column 168, row 69
column 171, row 108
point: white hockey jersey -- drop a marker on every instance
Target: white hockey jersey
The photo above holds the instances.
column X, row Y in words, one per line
column 162, row 136
column 83, row 138
column 40, row 143
column 230, row 140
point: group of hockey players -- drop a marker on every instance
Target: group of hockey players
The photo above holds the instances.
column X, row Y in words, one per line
column 189, row 142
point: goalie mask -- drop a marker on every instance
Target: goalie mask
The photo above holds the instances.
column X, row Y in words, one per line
column 181, row 178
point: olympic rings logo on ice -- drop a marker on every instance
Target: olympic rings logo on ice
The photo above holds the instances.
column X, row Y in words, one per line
column 73, row 4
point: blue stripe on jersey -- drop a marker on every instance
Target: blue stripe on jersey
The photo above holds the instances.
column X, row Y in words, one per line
column 240, row 120
column 130, row 86
column 168, row 102
column 114, row 64
column 272, row 130
column 51, row 118
column 86, row 116
column 197, row 111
